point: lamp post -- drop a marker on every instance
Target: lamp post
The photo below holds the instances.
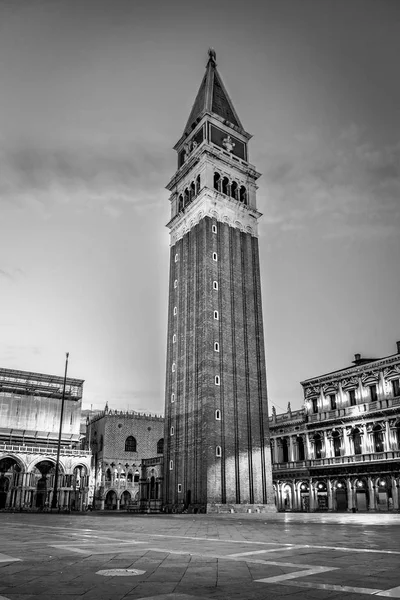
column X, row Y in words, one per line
column 55, row 489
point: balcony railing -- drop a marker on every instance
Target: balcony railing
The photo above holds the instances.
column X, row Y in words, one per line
column 43, row 450
column 337, row 460
column 358, row 409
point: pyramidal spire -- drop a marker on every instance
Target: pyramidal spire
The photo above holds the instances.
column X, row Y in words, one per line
column 212, row 97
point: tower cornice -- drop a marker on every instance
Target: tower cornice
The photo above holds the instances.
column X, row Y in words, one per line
column 213, row 204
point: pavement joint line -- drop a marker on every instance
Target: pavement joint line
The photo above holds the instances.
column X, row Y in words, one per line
column 391, row 593
column 262, row 551
column 275, row 543
column 7, row 558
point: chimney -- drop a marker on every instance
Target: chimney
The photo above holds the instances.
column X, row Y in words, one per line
column 357, row 357
column 398, row 347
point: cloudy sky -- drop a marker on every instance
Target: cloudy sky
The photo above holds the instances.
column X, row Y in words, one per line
column 94, row 94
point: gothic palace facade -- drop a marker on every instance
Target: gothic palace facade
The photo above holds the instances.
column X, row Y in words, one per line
column 341, row 452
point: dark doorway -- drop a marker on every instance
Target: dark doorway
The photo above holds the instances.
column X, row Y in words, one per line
column 188, row 498
column 4, row 483
column 341, row 500
column 41, row 492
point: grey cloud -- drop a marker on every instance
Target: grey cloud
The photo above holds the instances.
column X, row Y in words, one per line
column 5, row 274
column 339, row 178
column 109, row 172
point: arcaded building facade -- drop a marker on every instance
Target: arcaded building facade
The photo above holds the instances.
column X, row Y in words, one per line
column 217, row 452
column 122, row 444
column 30, row 411
column 342, row 451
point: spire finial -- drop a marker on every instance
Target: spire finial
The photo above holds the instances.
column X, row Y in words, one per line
column 212, row 56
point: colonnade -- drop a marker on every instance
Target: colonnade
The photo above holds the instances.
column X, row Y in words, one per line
column 363, row 438
column 363, row 493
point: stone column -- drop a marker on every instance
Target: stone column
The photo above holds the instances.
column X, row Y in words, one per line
column 340, row 396
column 364, row 440
column 327, row 445
column 346, row 439
column 312, row 498
column 350, row 496
column 395, row 494
column 387, row 437
column 307, row 447
column 118, row 503
column 372, row 499
column 291, row 451
column 102, row 502
column 330, row 495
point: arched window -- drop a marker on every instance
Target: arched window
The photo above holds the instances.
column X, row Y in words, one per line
column 160, row 446
column 357, row 441
column 108, row 475
column 130, row 477
column 216, row 315
column 172, row 397
column 217, row 181
column 215, row 230
column 216, row 347
column 217, row 415
column 234, row 190
column 225, row 186
column 217, row 382
column 378, row 439
column 130, row 444
column 136, row 477
column 218, row 451
column 172, row 430
column 215, row 285
column 192, row 190
column 318, row 445
column 186, row 197
column 101, row 445
column 197, row 185
column 243, row 194
column 336, row 443
column 180, row 203
column 285, row 450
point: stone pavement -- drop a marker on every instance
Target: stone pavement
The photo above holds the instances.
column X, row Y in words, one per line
column 110, row 556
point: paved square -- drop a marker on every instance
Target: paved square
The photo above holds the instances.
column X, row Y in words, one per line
column 197, row 557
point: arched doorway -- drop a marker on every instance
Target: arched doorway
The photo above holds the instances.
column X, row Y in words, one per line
column 125, row 499
column 43, row 480
column 304, row 497
column 10, row 482
column 341, row 496
column 361, row 495
column 111, row 500
column 287, row 497
column 79, row 477
column 322, row 495
column 382, row 494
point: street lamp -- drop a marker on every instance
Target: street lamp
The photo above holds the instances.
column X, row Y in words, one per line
column 55, row 489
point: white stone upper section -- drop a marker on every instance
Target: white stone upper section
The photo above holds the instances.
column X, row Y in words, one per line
column 210, row 203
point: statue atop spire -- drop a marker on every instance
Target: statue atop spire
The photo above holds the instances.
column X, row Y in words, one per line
column 212, row 56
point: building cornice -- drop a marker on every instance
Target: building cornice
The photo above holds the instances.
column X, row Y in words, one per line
column 215, row 205
column 355, row 371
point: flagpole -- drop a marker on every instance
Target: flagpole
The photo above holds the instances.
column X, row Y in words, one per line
column 55, row 489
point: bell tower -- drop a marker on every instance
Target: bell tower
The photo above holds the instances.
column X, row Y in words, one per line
column 217, row 448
